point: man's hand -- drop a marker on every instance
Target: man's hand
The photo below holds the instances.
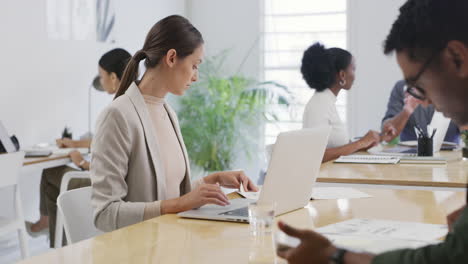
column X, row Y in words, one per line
column 453, row 217
column 314, row 248
column 389, row 132
column 411, row 103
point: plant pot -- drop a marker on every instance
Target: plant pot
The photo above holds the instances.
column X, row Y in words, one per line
column 465, row 152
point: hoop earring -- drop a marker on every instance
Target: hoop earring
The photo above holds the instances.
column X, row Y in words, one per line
column 342, row 83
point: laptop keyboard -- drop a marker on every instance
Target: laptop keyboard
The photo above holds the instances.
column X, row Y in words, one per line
column 244, row 211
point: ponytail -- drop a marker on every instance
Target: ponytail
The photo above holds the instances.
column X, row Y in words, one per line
column 131, row 73
column 172, row 32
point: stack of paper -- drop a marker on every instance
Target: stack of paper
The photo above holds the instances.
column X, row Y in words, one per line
column 423, row 160
column 318, row 193
column 333, row 193
column 65, row 151
column 376, row 236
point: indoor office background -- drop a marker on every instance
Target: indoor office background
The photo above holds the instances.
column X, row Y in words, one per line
column 47, row 71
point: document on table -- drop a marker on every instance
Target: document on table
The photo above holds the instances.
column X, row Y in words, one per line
column 368, row 159
column 65, row 151
column 331, row 193
column 375, row 245
column 249, row 195
column 56, row 150
column 386, row 229
column 318, row 193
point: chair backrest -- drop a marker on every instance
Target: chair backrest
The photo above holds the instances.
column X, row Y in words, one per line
column 10, row 165
column 75, row 206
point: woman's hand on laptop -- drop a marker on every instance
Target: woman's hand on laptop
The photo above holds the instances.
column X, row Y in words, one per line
column 202, row 195
column 232, row 179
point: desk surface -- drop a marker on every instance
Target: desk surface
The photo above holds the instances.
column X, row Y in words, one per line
column 31, row 161
column 170, row 239
column 454, row 174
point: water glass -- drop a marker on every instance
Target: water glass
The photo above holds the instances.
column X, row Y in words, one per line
column 261, row 218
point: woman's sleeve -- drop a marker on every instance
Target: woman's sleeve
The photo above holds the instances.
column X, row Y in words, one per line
column 109, row 167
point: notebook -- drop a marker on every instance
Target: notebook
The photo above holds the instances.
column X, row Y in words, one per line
column 368, row 159
column 423, row 160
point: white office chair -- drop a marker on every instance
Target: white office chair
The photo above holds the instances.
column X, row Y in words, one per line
column 58, row 240
column 10, row 165
column 77, row 213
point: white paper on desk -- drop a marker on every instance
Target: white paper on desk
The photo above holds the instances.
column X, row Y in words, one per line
column 368, row 159
column 65, row 151
column 375, row 245
column 319, row 193
column 385, row 229
column 332, row 193
column 249, row 195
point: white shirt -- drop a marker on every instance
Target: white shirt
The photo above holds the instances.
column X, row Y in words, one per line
column 321, row 110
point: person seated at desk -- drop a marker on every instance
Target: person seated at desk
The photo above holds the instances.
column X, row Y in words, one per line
column 111, row 67
column 429, row 38
column 328, row 71
column 139, row 166
column 404, row 112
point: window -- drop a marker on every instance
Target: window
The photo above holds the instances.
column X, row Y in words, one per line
column 289, row 28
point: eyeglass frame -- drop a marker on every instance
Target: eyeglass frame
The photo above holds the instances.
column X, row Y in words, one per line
column 414, row 90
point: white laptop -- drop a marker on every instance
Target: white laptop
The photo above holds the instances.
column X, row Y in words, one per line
column 441, row 123
column 291, row 175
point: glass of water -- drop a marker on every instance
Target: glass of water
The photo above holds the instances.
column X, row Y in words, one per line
column 261, row 218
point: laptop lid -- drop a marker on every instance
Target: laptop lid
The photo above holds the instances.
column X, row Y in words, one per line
column 441, row 123
column 5, row 140
column 294, row 167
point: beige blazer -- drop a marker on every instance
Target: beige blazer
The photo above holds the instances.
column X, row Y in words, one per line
column 126, row 172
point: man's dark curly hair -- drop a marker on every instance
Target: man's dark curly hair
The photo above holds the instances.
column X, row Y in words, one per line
column 426, row 26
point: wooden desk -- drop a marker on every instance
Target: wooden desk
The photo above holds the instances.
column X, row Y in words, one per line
column 453, row 175
column 59, row 158
column 31, row 161
column 170, row 239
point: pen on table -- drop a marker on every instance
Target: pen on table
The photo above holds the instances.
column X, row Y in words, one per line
column 417, row 133
column 420, row 131
column 433, row 133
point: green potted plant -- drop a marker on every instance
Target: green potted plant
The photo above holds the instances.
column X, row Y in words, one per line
column 219, row 111
column 464, row 137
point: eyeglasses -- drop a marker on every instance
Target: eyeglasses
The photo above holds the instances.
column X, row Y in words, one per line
column 411, row 87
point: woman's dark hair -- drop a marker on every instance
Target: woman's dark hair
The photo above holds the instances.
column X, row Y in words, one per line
column 320, row 65
column 115, row 61
column 172, row 32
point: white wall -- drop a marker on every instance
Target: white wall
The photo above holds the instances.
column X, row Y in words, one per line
column 45, row 82
column 369, row 23
column 233, row 25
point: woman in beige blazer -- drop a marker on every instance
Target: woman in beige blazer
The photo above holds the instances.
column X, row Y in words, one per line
column 140, row 167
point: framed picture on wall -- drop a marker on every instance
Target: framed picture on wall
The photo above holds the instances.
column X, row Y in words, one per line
column 80, row 20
